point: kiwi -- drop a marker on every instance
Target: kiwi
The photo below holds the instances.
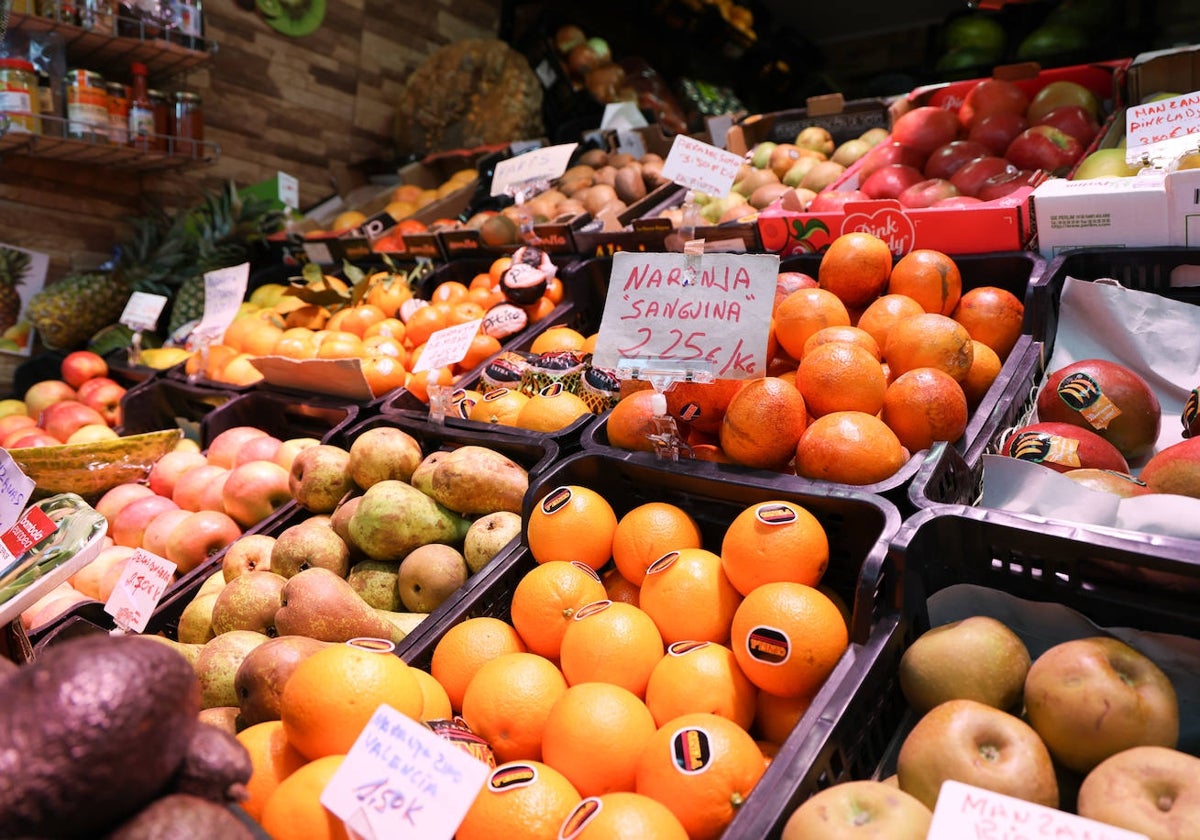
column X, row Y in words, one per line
column 594, row 158
column 629, row 184
column 598, row 196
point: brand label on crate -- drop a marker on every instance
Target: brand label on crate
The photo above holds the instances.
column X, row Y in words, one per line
column 15, row 490
column 964, row 811
column 402, row 780
column 447, row 346
column 224, row 291
column 700, row 166
column 538, row 165
column 142, row 311
column 143, row 581
column 1162, row 130
column 30, row 528
column 707, row 312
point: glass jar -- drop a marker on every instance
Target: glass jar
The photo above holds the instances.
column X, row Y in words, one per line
column 98, row 16
column 49, row 106
column 118, row 113
column 87, row 106
column 19, row 99
column 187, row 123
column 160, row 103
column 61, row 10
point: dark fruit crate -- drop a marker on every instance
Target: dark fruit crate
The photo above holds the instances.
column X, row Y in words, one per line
column 120, row 369
column 163, row 403
column 283, row 414
column 859, row 527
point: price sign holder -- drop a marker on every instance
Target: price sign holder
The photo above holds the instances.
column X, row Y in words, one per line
column 141, row 314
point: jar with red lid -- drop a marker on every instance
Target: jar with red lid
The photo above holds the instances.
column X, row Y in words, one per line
column 160, row 103
column 187, row 123
column 20, row 103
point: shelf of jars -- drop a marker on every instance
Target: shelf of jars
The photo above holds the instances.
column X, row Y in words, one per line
column 163, row 151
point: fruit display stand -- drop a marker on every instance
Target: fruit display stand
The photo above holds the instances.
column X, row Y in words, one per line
column 163, row 403
column 859, row 527
column 844, row 121
column 283, row 414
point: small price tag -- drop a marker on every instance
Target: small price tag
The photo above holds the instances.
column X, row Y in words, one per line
column 143, row 580
column 630, row 142
column 447, row 346
column 224, row 291
column 1162, row 130
column 537, row 165
column 622, row 116
column 699, row 166
column 401, row 780
column 289, row 190
column 15, row 490
column 713, row 311
column 31, row 527
column 142, row 311
column 968, row 811
column 545, row 73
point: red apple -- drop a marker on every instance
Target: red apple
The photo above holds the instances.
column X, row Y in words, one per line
column 1003, row 183
column 926, row 193
column 62, row 418
column 32, row 438
column 222, row 449
column 891, row 180
column 92, row 384
column 255, row 490
column 105, row 398
column 945, row 160
column 189, row 487
column 790, row 281
column 81, row 365
column 154, row 538
column 41, row 394
column 1044, row 147
column 133, row 519
column 996, row 131
column 11, row 422
column 991, row 96
column 198, row 537
column 1074, row 120
column 833, row 201
column 1060, row 93
column 970, row 177
column 886, row 153
column 167, row 470
column 926, row 127
column 260, row 448
column 110, row 504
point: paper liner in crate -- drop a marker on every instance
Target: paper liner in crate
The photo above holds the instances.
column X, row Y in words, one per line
column 1155, row 337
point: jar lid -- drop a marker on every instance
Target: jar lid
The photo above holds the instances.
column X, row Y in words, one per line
column 16, row 64
column 187, row 96
column 137, row 68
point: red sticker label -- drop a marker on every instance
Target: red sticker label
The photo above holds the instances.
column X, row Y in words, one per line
column 775, row 513
column 579, row 818
column 592, row 608
column 691, row 750
column 681, row 648
column 495, row 394
column 31, row 528
column 511, row 777
column 551, row 390
column 769, row 645
column 556, row 500
column 585, row 567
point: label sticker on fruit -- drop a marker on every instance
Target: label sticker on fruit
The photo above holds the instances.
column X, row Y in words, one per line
column 968, row 811
column 224, row 291
column 709, row 313
column 400, row 779
column 447, row 346
column 1162, row 130
column 15, row 490
column 700, row 166
column 144, row 579
column 538, row 165
column 142, row 311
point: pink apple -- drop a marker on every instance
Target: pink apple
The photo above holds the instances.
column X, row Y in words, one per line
column 891, row 180
column 261, row 448
column 198, row 537
column 222, row 449
column 154, row 538
column 255, row 490
column 996, row 131
column 106, row 399
column 93, row 432
column 62, row 418
column 31, row 439
column 135, row 517
column 189, row 487
column 970, row 176
column 11, row 422
column 110, row 504
column 286, row 453
column 213, row 495
column 92, row 384
column 48, row 391
column 926, row 193
column 167, row 470
column 834, row 201
column 957, row 201
column 90, row 580
column 81, row 365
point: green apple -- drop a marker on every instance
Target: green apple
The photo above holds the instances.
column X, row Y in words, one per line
column 1105, row 163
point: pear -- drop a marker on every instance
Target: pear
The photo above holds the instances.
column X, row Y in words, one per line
column 375, row 583
column 319, row 604
column 339, row 520
column 309, row 543
column 422, row 477
column 189, row 651
column 393, row 518
column 217, row 665
column 429, row 575
column 222, row 717
column 248, row 602
column 195, row 622
column 476, row 479
column 212, row 583
column 383, row 452
column 405, row 622
column 487, row 536
column 260, row 678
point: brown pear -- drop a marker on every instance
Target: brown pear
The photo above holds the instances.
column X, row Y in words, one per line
column 478, row 480
column 261, row 676
column 310, row 543
column 248, row 602
column 321, row 605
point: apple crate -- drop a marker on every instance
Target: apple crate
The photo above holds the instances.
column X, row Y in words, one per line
column 163, row 403
column 281, row 413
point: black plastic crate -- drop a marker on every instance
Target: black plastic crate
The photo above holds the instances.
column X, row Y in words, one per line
column 164, row 403
column 284, row 414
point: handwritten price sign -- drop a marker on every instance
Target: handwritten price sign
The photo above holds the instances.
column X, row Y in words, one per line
column 143, row 581
column 538, row 165
column 142, row 311
column 1165, row 128
column 965, row 811
column 401, row 780
column 447, row 346
column 699, row 166
column 15, row 490
column 710, row 312
column 224, row 291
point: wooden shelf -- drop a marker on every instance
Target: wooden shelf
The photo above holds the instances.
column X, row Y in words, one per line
column 98, row 152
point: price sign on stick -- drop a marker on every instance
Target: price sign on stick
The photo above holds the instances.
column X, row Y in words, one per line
column 144, row 579
column 538, row 165
column 965, row 811
column 699, row 166
column 1164, row 129
column 447, row 346
column 707, row 312
column 142, row 311
column 224, row 291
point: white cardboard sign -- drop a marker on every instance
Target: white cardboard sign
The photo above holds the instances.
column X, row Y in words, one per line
column 700, row 166
column 1162, row 130
column 538, row 165
column 965, row 811
column 224, row 291
column 143, row 581
column 142, row 311
column 447, row 346
column 15, row 490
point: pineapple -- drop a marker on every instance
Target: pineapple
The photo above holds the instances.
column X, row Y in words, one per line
column 13, row 265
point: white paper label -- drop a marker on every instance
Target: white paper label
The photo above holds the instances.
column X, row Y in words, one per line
column 623, row 115
column 447, row 346
column 538, row 165
column 964, row 811
column 630, row 142
column 545, row 73
column 699, row 166
column 289, row 190
column 15, row 490
column 142, row 311
column 710, row 311
column 1162, row 130
column 143, row 581
column 224, row 291
column 401, row 780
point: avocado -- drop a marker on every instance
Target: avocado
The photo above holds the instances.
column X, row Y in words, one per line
column 90, row 732
column 181, row 816
column 215, row 768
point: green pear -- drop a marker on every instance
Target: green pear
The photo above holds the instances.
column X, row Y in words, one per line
column 312, row 542
column 393, row 518
column 404, row 622
column 375, row 583
column 195, row 622
column 218, row 662
column 189, row 651
column 248, row 602
column 319, row 604
column 213, row 583
column 422, row 476
column 760, row 158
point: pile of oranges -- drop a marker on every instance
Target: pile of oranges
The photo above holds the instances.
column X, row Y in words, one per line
column 872, row 361
column 383, row 325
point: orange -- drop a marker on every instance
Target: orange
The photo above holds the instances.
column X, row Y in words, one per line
column 775, row 717
column 571, row 522
column 551, row 410
column 611, row 642
column 485, row 296
column 384, row 345
column 993, row 316
column 649, row 531
column 622, row 815
column 392, row 328
column 464, row 311
column 802, row 313
column 500, row 406
column 763, row 423
column 700, row 677
column 252, row 334
column 930, row 278
column 774, row 541
column 419, row 383
column 464, row 649
column 855, row 267
column 525, row 799
column 384, row 373
column 589, row 344
column 925, row 405
column 879, row 317
column 689, row 597
column 422, row 323
column 840, row 377
column 631, row 422
column 594, row 735
column 537, row 311
column 702, row 767
column 388, row 293
column 545, row 601
column 702, row 404
column 482, row 348
column 558, row 338
column 617, row 588
column 498, row 267
column 850, row 335
column 331, row 695
column 554, row 290
column 849, row 447
column 357, row 319
column 308, row 315
column 272, row 758
column 450, row 291
column 339, row 344
column 507, row 702
column 210, row 365
column 985, row 367
column 787, row 638
column 240, row 371
column 436, row 705
column 929, row 340
column 294, row 810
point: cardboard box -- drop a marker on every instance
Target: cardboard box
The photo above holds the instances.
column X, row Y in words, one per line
column 844, row 120
column 1174, row 71
column 1101, row 212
